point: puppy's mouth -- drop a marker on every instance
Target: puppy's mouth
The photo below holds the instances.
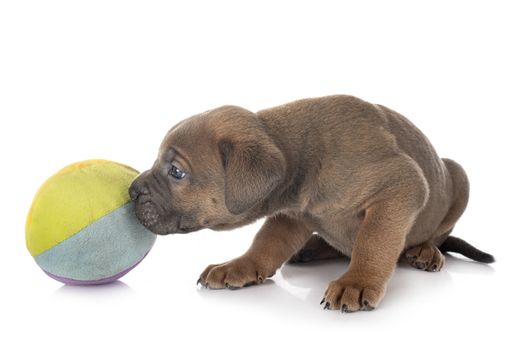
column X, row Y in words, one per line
column 149, row 216
column 182, row 227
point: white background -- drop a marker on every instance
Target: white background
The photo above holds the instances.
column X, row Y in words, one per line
column 107, row 79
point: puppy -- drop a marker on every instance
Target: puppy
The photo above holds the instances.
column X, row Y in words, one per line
column 359, row 175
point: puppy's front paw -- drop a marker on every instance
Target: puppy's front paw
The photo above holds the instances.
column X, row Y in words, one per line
column 237, row 273
column 351, row 294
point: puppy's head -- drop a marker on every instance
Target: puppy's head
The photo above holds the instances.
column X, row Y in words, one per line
column 211, row 170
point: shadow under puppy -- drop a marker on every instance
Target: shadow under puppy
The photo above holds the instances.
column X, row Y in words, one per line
column 360, row 175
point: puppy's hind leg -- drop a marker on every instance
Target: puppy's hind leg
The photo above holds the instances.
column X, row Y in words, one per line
column 316, row 248
column 460, row 197
column 427, row 256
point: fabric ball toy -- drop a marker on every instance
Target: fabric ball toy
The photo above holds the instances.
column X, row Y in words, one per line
column 81, row 228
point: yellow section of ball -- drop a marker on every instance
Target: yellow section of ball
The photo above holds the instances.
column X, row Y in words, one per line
column 73, row 198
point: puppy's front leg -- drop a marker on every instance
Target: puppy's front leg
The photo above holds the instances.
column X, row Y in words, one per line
column 378, row 245
column 278, row 239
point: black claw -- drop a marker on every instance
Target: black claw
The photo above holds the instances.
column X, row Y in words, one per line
column 322, row 301
column 344, row 308
column 326, row 306
column 202, row 283
column 367, row 306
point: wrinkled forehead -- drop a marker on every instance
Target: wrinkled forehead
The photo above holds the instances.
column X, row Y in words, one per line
column 191, row 139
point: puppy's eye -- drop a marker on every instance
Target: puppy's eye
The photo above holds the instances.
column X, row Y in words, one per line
column 176, row 172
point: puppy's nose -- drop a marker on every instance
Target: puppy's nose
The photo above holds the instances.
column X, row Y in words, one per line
column 136, row 189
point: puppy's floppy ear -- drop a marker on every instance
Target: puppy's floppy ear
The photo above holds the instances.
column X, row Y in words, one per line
column 253, row 168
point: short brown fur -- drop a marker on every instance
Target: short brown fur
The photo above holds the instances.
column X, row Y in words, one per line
column 360, row 175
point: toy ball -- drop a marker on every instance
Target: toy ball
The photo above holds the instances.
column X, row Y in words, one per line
column 81, row 228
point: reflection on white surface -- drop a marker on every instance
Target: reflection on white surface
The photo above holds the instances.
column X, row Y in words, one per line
column 104, row 290
column 296, row 288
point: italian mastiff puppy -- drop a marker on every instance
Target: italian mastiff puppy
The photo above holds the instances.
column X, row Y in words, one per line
column 333, row 176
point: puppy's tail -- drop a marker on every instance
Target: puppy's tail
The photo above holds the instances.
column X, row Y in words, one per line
column 457, row 245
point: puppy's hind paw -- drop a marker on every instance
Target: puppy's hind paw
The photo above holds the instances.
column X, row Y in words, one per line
column 426, row 257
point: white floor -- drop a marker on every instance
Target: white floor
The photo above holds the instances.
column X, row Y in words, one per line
column 158, row 304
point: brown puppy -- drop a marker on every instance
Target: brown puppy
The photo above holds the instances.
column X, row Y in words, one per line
column 360, row 175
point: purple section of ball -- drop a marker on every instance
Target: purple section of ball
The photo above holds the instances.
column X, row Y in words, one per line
column 72, row 282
